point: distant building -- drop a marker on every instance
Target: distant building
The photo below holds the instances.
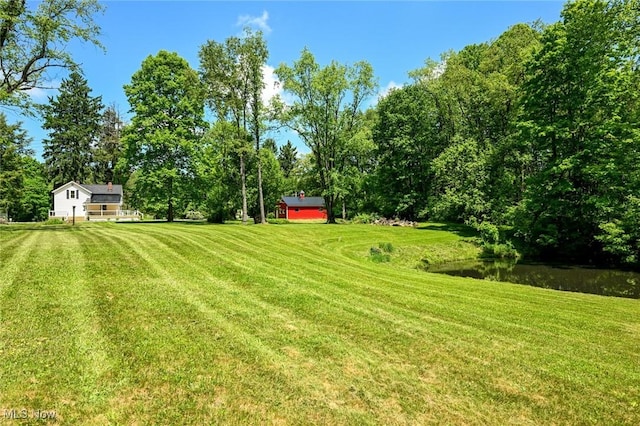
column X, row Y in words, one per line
column 90, row 202
column 301, row 208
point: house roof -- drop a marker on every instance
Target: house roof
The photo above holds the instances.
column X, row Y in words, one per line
column 304, row 202
column 99, row 193
column 103, row 189
column 105, row 198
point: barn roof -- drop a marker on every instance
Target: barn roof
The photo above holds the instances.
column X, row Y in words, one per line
column 303, row 202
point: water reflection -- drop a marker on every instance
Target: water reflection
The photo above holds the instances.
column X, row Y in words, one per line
column 608, row 282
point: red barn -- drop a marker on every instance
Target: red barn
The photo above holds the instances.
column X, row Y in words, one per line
column 301, row 207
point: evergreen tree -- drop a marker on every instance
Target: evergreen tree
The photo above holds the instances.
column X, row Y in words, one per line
column 108, row 147
column 73, row 122
column 287, row 157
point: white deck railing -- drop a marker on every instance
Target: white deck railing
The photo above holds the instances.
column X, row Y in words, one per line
column 95, row 213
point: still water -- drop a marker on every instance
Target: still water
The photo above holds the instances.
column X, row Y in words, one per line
column 607, row 282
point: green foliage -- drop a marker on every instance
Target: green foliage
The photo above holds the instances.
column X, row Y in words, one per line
column 378, row 255
column 194, row 215
column 232, row 76
column 162, row 141
column 386, row 247
column 500, row 251
column 365, row 218
column 489, row 233
column 73, row 122
column 54, row 221
column 13, row 149
column 33, row 41
column 275, row 221
column 287, row 157
column 108, row 148
column 460, row 181
column 326, row 115
column 580, row 117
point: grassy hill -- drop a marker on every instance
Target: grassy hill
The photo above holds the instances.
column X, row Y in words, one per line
column 295, row 324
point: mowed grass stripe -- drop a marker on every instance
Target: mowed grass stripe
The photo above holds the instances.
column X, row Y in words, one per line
column 561, row 323
column 241, row 329
column 334, row 351
column 14, row 254
column 52, row 337
column 209, row 321
column 549, row 348
column 276, row 284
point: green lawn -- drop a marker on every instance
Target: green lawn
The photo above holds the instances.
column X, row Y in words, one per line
column 294, row 324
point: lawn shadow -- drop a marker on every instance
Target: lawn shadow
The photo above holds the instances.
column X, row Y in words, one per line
column 455, row 228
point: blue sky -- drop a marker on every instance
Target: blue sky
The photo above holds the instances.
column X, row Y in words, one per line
column 394, row 36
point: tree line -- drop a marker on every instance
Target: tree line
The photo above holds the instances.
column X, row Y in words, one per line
column 536, row 131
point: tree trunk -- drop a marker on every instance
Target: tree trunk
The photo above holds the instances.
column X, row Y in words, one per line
column 331, row 217
column 263, row 218
column 344, row 210
column 243, row 177
column 170, row 211
column 170, row 202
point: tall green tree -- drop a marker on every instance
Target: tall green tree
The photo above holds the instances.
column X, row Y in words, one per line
column 73, row 122
column 33, row 40
column 287, row 157
column 162, row 141
column 233, row 78
column 406, row 137
column 13, row 148
column 580, row 115
column 35, row 198
column 326, row 113
column 108, row 147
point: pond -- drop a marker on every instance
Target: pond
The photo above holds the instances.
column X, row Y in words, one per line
column 607, row 282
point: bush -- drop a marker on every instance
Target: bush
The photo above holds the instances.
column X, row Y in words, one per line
column 366, row 218
column 386, row 247
column 277, row 221
column 376, row 255
column 194, row 215
column 54, row 221
column 489, row 232
column 500, row 251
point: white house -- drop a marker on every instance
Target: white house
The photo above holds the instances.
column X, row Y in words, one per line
column 89, row 202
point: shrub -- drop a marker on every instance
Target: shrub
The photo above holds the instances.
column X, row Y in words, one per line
column 500, row 251
column 194, row 215
column 386, row 247
column 366, row 218
column 376, row 255
column 54, row 221
column 489, row 232
column 277, row 221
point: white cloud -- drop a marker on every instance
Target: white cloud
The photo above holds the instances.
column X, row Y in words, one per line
column 40, row 94
column 255, row 21
column 387, row 89
column 271, row 84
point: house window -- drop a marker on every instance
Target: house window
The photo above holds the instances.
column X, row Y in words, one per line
column 104, row 207
column 73, row 194
column 297, row 210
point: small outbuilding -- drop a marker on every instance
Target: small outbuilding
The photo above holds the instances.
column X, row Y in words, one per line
column 301, row 208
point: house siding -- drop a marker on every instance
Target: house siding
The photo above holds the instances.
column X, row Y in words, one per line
column 64, row 206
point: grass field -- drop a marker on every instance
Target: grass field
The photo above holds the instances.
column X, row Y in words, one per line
column 294, row 324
